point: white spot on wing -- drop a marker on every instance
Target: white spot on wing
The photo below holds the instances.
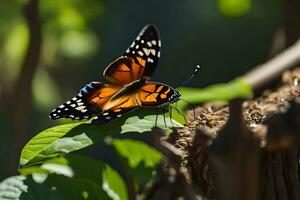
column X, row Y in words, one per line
column 104, row 114
column 149, row 44
column 140, row 53
column 80, row 108
column 132, row 45
column 61, row 106
column 142, row 41
column 152, row 51
column 153, row 42
column 146, row 51
column 150, row 60
column 137, row 46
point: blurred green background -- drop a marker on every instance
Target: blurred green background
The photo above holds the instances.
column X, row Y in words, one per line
column 79, row 38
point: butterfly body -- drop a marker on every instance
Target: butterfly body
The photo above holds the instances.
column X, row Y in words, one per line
column 128, row 85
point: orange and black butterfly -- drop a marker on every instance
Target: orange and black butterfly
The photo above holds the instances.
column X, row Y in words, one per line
column 127, row 86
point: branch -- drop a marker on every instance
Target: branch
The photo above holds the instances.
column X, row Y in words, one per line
column 272, row 69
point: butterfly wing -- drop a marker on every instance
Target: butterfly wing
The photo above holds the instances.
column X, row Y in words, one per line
column 116, row 108
column 150, row 94
column 154, row 94
column 138, row 61
column 89, row 102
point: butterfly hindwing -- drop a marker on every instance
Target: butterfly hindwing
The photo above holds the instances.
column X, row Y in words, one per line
column 87, row 103
column 138, row 61
column 116, row 108
column 150, row 94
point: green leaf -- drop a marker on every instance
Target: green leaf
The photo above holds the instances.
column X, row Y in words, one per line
column 137, row 152
column 12, row 187
column 67, row 138
column 87, row 169
column 139, row 158
column 55, row 187
column 237, row 88
column 234, row 8
column 74, row 188
column 113, row 184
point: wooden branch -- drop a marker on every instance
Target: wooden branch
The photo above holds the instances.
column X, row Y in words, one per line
column 272, row 69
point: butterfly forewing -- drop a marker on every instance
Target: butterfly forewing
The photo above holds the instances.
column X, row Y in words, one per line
column 147, row 46
column 139, row 60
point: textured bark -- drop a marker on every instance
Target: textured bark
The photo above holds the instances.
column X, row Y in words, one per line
column 22, row 90
column 247, row 151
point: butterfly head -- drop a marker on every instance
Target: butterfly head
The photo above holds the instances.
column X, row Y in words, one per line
column 174, row 97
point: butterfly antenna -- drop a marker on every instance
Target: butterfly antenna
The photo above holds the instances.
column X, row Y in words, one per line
column 192, row 76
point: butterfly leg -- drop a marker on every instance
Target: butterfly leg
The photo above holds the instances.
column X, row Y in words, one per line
column 176, row 109
column 193, row 106
column 168, row 110
column 171, row 115
column 164, row 119
column 194, row 113
column 156, row 118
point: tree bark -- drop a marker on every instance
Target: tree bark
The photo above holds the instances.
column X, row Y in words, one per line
column 22, row 93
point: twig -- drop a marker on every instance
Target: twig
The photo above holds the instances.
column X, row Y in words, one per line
column 272, row 69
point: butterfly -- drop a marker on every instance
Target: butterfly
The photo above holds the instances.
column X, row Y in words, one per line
column 127, row 86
